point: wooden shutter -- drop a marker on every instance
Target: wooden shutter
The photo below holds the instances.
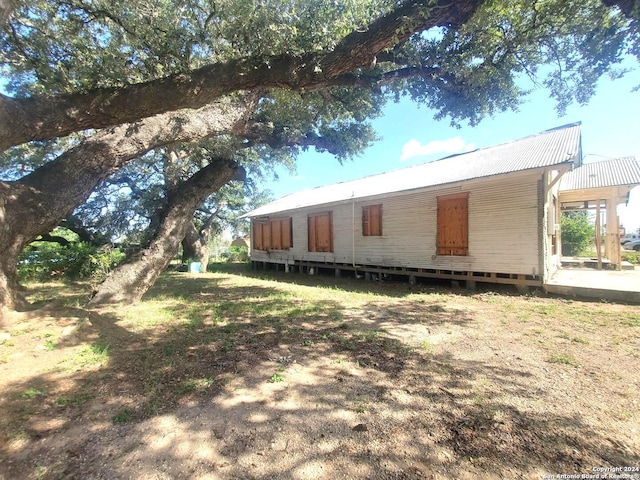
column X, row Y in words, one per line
column 257, row 235
column 287, row 234
column 321, row 232
column 266, row 236
column 372, row 220
column 276, row 234
column 281, row 235
column 272, row 234
column 453, row 224
column 312, row 233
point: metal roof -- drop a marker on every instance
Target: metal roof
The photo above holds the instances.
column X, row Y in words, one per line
column 608, row 173
column 552, row 147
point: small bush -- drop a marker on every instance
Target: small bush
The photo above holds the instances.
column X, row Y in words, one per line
column 43, row 261
column 577, row 233
column 238, row 254
column 123, row 416
column 631, row 257
column 276, row 378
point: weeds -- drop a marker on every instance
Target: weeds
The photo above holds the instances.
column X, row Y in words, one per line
column 31, row 393
column 194, row 385
column 276, row 378
column 562, row 358
column 75, row 400
column 427, row 346
column 123, row 416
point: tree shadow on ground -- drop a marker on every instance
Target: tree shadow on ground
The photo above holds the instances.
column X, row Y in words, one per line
column 390, row 286
column 252, row 382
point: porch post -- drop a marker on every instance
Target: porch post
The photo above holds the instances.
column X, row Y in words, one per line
column 613, row 232
column 598, row 234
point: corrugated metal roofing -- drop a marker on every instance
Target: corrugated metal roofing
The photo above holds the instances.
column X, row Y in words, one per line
column 608, row 173
column 552, row 147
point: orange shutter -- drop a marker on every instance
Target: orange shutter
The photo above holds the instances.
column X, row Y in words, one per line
column 257, row 235
column 372, row 220
column 376, row 220
column 366, row 221
column 453, row 224
column 287, row 238
column 276, row 234
column 321, row 232
column 266, row 236
column 312, row 233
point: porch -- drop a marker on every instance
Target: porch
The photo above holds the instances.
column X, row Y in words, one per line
column 606, row 285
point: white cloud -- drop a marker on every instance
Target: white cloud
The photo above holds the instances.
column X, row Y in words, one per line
column 413, row 148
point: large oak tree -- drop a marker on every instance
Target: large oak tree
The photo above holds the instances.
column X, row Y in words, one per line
column 97, row 83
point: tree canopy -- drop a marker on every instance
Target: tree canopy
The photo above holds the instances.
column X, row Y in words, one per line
column 90, row 64
column 94, row 84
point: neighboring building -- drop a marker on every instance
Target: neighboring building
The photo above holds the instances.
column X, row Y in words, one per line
column 242, row 242
column 491, row 215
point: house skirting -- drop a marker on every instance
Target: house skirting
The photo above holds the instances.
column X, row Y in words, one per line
column 471, row 278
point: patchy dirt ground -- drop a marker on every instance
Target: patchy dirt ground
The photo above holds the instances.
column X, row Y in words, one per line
column 229, row 375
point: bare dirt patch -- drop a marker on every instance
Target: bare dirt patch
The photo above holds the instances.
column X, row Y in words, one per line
column 229, row 375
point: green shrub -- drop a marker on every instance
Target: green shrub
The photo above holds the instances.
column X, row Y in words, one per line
column 577, row 233
column 631, row 257
column 238, row 254
column 42, row 261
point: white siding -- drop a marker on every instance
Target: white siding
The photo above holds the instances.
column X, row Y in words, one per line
column 503, row 229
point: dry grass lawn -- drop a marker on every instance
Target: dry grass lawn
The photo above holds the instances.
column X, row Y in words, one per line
column 236, row 374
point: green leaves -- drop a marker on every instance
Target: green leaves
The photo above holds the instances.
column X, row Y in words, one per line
column 577, row 233
column 475, row 70
column 488, row 65
column 55, row 46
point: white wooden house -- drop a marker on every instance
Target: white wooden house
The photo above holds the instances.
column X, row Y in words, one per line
column 491, row 215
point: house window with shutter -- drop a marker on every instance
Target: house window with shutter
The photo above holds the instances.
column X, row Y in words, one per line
column 272, row 234
column 453, row 224
column 320, row 232
column 372, row 220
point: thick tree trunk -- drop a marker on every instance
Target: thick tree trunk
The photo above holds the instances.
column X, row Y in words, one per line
column 40, row 118
column 22, row 219
column 131, row 280
column 38, row 202
column 195, row 244
column 10, row 290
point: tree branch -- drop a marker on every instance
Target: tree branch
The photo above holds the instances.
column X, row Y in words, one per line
column 75, row 225
column 47, row 237
column 54, row 190
column 39, row 118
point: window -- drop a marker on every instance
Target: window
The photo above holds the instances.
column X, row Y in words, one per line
column 321, row 232
column 372, row 220
column 453, row 224
column 272, row 234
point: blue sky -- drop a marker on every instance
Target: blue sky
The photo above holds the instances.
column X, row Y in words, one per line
column 410, row 135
